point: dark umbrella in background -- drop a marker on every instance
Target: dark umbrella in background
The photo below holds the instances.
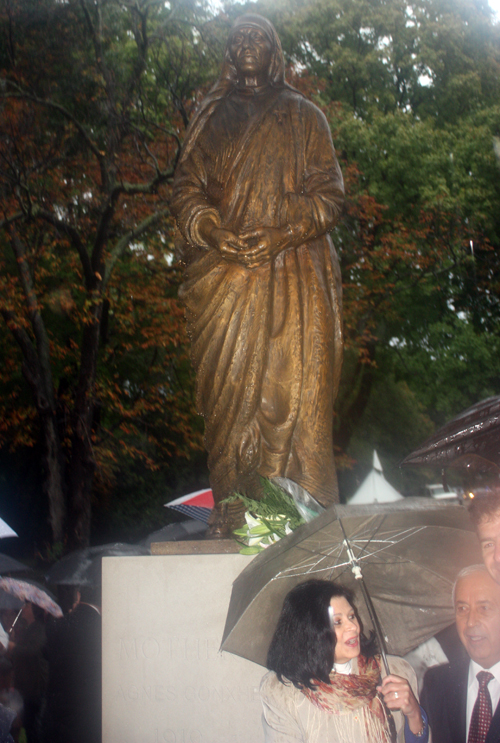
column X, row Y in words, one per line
column 191, row 529
column 409, row 551
column 8, row 601
column 470, row 441
column 9, row 565
column 83, row 567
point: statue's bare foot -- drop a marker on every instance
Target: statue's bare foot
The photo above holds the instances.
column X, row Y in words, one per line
column 224, row 519
column 219, row 531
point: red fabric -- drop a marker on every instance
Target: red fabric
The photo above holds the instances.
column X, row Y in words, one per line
column 351, row 689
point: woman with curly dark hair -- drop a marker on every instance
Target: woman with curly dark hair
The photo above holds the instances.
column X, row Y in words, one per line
column 325, row 681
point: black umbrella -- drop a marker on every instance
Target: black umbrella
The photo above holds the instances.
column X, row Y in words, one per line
column 9, row 565
column 83, row 567
column 178, row 532
column 471, row 440
column 410, row 552
column 8, row 601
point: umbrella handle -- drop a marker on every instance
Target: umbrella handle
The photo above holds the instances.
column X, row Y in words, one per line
column 15, row 620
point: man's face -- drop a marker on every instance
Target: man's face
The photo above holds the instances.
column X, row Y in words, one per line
column 477, row 615
column 488, row 532
column 250, row 51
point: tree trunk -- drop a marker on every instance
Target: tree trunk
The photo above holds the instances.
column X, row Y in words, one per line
column 351, row 411
column 53, row 485
column 80, row 481
column 82, row 462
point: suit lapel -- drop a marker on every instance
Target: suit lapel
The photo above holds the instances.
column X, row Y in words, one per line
column 457, row 710
column 494, row 731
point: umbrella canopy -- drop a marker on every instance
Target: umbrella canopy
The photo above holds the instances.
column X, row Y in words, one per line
column 190, row 529
column 83, row 567
column 375, row 488
column 28, row 590
column 8, row 601
column 471, row 440
column 9, row 565
column 197, row 505
column 410, row 553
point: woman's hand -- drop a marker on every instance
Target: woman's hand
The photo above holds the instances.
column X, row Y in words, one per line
column 266, row 242
column 225, row 241
column 397, row 694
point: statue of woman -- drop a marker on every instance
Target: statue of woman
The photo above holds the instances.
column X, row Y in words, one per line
column 256, row 192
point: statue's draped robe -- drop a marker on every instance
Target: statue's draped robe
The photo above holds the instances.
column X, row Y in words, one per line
column 267, row 341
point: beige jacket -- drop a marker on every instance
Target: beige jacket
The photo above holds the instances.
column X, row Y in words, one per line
column 289, row 717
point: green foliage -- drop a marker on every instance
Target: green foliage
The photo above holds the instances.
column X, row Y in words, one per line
column 267, row 520
column 274, row 502
column 94, row 99
column 412, row 93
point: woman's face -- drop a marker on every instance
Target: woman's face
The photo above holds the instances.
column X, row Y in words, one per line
column 250, row 51
column 346, row 628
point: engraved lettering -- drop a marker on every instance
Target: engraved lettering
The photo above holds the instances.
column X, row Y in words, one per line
column 128, row 649
column 203, row 693
column 121, row 693
column 150, row 648
column 169, row 736
column 189, row 693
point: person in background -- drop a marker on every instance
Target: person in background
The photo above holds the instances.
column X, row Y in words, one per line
column 327, row 684
column 30, row 668
column 7, row 717
column 10, row 697
column 484, row 511
column 461, row 697
column 73, row 712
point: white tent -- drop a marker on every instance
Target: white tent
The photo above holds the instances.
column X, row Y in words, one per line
column 375, row 488
column 5, row 530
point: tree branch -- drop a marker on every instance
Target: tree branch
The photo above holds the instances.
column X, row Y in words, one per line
column 5, row 223
column 125, row 241
column 135, row 188
column 73, row 235
column 42, row 341
column 64, row 111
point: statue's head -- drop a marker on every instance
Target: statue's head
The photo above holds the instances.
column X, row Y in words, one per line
column 266, row 56
column 254, row 50
column 251, row 49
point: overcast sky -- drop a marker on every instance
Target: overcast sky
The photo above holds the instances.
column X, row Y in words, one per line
column 494, row 4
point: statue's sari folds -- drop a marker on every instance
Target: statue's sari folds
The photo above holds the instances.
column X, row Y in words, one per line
column 267, row 341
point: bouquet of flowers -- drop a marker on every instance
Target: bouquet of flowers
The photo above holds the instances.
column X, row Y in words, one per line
column 267, row 520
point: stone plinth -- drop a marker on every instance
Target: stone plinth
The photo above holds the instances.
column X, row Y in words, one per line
column 164, row 679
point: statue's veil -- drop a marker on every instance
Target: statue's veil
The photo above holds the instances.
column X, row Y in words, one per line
column 228, row 78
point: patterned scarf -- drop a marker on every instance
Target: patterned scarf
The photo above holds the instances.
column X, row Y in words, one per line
column 356, row 692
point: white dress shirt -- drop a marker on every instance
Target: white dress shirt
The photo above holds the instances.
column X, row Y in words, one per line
column 473, row 688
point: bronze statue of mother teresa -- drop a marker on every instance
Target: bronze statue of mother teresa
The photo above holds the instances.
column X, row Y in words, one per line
column 256, row 192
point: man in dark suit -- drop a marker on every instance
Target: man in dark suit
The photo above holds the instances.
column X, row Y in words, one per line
column 461, row 698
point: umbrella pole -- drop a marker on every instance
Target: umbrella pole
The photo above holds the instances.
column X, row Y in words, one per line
column 376, row 624
column 15, row 620
column 355, row 567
